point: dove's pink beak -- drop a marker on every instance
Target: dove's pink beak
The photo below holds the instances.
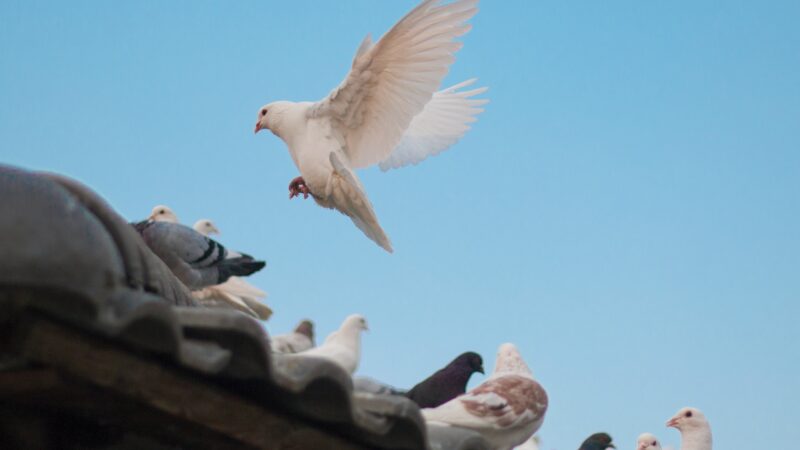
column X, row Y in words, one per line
column 673, row 422
column 258, row 127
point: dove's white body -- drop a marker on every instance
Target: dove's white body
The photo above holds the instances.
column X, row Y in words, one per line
column 343, row 346
column 386, row 111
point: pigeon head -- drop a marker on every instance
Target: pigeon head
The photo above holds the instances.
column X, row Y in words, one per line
column 510, row 361
column 162, row 213
column 688, row 419
column 470, row 361
column 306, row 328
column 355, row 322
column 597, row 441
column 274, row 117
column 694, row 428
column 206, row 227
column 647, row 441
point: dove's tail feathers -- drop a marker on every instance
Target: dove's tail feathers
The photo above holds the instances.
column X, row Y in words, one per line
column 261, row 310
column 238, row 267
column 212, row 296
column 238, row 286
column 349, row 198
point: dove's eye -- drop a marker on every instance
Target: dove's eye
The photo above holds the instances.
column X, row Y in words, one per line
column 264, row 112
column 688, row 414
column 655, row 443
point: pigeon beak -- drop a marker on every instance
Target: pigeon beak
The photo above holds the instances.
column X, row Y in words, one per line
column 480, row 369
column 673, row 422
column 611, row 446
column 151, row 217
column 258, row 128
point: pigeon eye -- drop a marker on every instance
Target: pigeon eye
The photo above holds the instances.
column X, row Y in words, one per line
column 688, row 414
column 264, row 112
column 655, row 443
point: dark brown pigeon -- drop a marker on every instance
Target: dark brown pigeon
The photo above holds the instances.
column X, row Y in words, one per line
column 597, row 441
column 447, row 383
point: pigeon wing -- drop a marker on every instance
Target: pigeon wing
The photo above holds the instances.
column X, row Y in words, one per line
column 442, row 122
column 391, row 82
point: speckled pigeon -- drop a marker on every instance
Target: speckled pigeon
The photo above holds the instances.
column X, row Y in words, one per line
column 196, row 260
column 447, row 383
column 597, row 441
column 506, row 409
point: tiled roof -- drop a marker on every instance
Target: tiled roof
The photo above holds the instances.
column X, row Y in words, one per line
column 86, row 308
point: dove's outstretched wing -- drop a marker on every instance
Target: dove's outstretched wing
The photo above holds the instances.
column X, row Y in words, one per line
column 392, row 81
column 443, row 121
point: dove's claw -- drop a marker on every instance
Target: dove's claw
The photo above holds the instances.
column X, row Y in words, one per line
column 297, row 187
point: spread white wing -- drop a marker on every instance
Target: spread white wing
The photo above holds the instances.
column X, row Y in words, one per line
column 391, row 82
column 442, row 122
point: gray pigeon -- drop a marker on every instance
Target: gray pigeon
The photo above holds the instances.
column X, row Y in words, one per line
column 196, row 260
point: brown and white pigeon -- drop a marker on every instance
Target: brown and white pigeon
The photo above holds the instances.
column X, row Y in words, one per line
column 506, row 409
column 387, row 111
column 695, row 429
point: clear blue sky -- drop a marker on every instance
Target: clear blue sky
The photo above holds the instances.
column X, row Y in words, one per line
column 626, row 210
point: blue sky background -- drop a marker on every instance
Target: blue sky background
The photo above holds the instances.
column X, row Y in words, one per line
column 625, row 211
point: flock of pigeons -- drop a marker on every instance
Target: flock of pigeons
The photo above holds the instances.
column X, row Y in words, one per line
column 387, row 111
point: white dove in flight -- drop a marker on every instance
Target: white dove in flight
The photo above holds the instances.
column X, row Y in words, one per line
column 387, row 111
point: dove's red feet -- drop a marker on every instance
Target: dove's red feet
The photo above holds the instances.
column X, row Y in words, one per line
column 297, row 187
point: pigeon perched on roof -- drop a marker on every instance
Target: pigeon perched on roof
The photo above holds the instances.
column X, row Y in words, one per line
column 386, row 111
column 302, row 338
column 239, row 293
column 447, row 383
column 162, row 213
column 206, row 227
column 343, row 346
column 694, row 428
column 647, row 441
column 235, row 292
column 597, row 441
column 196, row 260
column 506, row 409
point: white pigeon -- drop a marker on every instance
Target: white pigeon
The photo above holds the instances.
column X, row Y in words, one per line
column 235, row 292
column 506, row 409
column 343, row 346
column 302, row 338
column 694, row 428
column 162, row 213
column 386, row 111
column 647, row 441
column 206, row 227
